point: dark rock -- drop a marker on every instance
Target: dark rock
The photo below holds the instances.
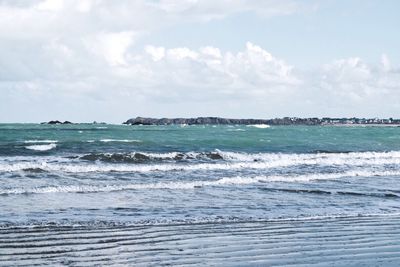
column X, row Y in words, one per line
column 214, row 155
column 54, row 122
column 140, row 156
column 57, row 122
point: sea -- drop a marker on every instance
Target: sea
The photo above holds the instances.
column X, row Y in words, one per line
column 214, row 195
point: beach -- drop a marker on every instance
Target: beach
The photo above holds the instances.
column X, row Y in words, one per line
column 344, row 241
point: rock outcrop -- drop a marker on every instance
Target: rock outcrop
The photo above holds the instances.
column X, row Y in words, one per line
column 57, row 122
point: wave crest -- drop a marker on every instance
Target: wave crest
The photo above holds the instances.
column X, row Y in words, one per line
column 204, row 161
column 42, row 147
column 144, row 157
column 225, row 181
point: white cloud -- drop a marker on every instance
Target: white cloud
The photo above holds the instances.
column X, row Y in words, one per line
column 50, row 5
column 210, row 51
column 156, row 76
column 95, row 31
column 206, row 10
column 182, row 53
column 351, row 87
column 111, row 46
column 84, row 6
column 41, row 18
column 246, row 72
column 157, row 53
column 347, row 70
column 354, row 76
column 385, row 63
column 79, row 60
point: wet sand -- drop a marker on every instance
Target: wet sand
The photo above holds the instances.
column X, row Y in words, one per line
column 347, row 241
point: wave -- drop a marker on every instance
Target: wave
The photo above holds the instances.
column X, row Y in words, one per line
column 236, row 130
column 34, row 170
column 231, row 161
column 41, row 147
column 120, row 140
column 269, row 159
column 225, row 181
column 144, row 157
column 323, row 151
column 70, row 224
column 260, row 126
column 324, row 192
column 110, row 224
column 324, row 156
column 40, row 141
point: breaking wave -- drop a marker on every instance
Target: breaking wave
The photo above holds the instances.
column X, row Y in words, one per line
column 217, row 160
column 260, row 126
column 386, row 194
column 68, row 224
column 40, row 141
column 120, row 140
column 41, row 147
column 144, row 157
column 269, row 159
column 225, row 181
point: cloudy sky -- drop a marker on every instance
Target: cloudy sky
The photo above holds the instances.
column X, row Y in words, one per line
column 89, row 60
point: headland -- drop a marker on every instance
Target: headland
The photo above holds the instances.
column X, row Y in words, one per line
column 275, row 121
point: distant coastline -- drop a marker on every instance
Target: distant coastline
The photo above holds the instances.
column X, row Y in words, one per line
column 276, row 121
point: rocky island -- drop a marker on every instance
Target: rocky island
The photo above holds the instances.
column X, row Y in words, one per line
column 57, row 122
column 276, row 121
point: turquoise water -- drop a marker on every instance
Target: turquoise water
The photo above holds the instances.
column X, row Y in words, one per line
column 68, row 174
column 79, row 195
column 281, row 139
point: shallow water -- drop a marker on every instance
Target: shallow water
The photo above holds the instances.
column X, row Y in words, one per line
column 108, row 176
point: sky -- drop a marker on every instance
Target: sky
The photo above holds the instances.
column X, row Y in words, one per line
column 99, row 60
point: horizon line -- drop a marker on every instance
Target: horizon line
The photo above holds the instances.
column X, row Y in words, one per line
column 231, row 118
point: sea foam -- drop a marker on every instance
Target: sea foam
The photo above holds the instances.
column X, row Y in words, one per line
column 232, row 161
column 225, row 181
column 120, row 140
column 41, row 147
column 40, row 141
column 260, row 126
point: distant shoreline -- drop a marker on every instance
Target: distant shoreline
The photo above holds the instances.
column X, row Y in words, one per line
column 272, row 122
column 363, row 125
column 286, row 121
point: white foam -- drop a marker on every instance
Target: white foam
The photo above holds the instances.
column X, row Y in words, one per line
column 169, row 155
column 41, row 147
column 226, row 181
column 312, row 159
column 327, row 176
column 260, row 126
column 236, row 130
column 120, row 140
column 234, row 161
column 40, row 141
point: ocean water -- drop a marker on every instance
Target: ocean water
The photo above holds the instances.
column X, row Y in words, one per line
column 204, row 184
